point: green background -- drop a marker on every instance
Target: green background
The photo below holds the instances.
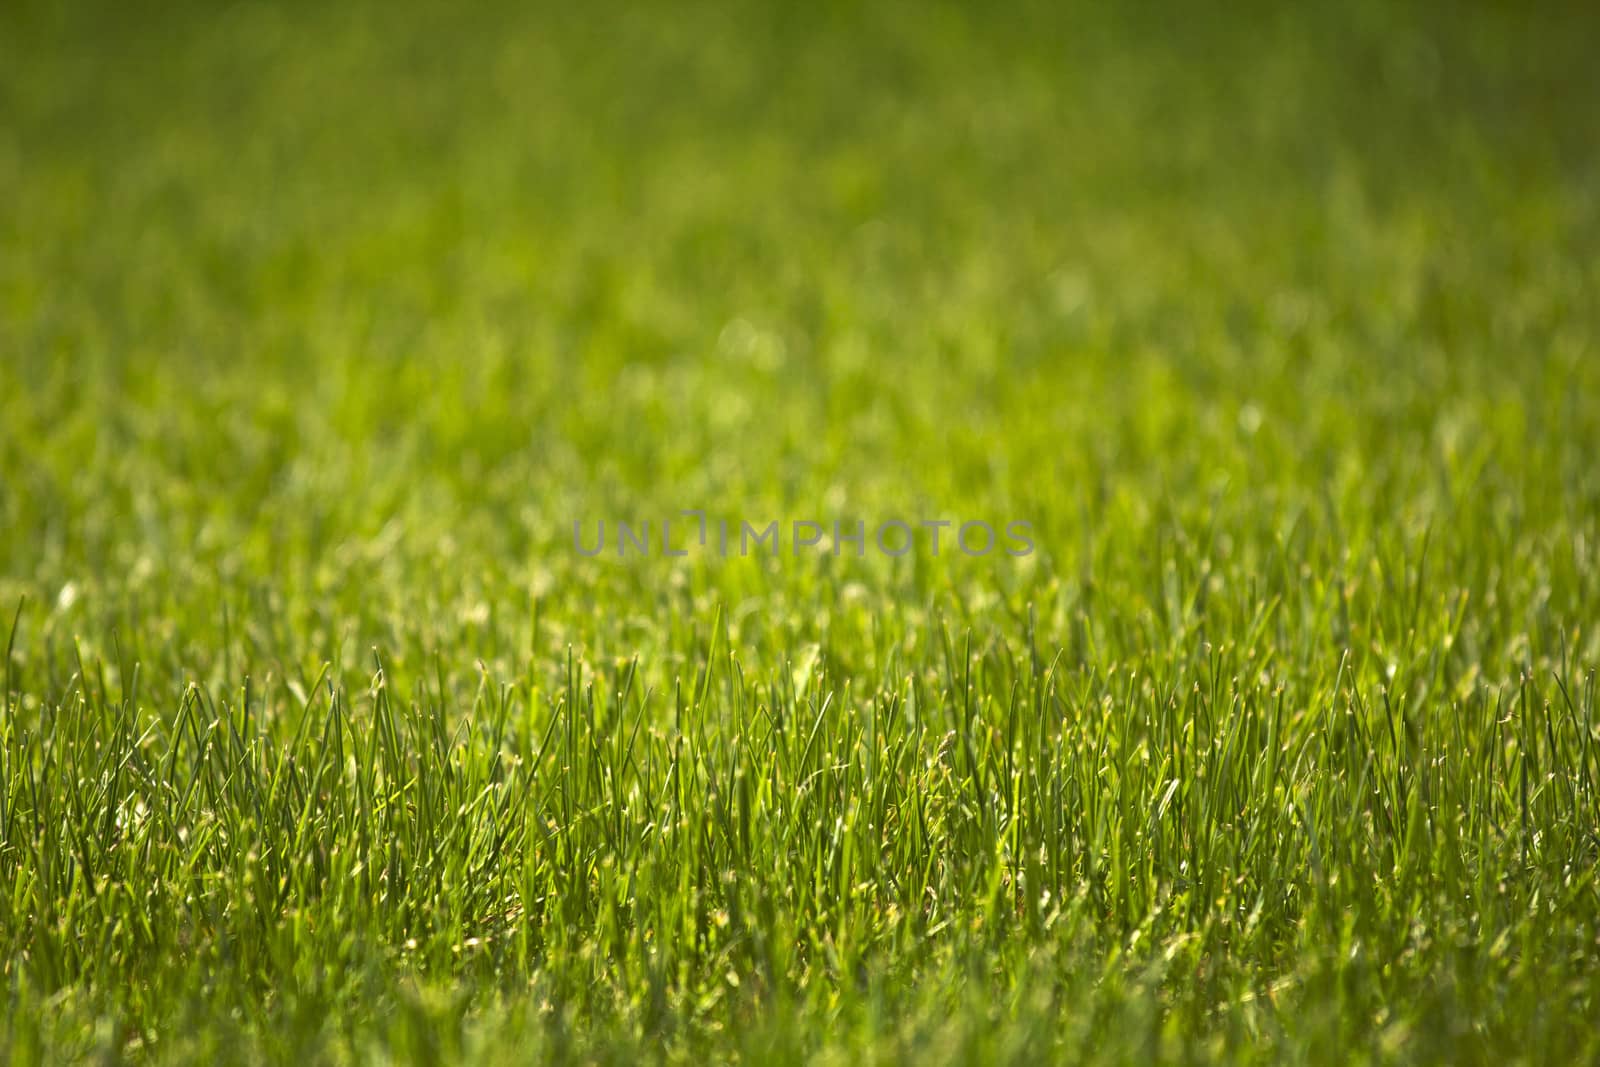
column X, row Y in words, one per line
column 320, row 325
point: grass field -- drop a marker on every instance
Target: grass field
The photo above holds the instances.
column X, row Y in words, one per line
column 322, row 740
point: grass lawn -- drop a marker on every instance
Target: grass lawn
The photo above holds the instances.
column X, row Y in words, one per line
column 330, row 334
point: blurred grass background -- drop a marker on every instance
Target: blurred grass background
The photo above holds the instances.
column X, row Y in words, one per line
column 307, row 302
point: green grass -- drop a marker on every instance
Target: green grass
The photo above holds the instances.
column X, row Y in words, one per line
column 320, row 325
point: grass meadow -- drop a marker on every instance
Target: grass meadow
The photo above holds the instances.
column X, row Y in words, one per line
column 324, row 740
